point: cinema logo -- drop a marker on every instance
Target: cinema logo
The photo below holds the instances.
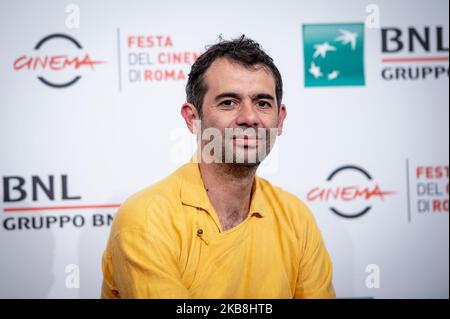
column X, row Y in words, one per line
column 24, row 209
column 414, row 53
column 155, row 58
column 58, row 61
column 350, row 192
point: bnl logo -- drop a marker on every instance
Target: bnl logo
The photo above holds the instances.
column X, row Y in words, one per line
column 334, row 54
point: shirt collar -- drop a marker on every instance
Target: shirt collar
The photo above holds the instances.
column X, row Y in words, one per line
column 193, row 192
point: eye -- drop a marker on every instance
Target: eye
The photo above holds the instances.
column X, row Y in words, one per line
column 228, row 103
column 264, row 104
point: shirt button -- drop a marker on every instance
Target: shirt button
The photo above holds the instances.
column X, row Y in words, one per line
column 199, row 232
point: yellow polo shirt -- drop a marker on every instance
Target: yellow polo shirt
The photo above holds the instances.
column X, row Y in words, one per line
column 167, row 242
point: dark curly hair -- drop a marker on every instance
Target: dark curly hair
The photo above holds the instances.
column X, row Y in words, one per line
column 242, row 50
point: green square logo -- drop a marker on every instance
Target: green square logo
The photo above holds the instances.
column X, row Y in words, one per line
column 334, row 54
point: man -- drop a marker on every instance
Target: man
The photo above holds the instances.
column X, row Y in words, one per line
column 213, row 229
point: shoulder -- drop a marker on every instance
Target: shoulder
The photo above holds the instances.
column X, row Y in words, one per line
column 292, row 215
column 154, row 205
column 286, row 204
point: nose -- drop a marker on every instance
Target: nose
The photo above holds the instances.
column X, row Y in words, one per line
column 247, row 116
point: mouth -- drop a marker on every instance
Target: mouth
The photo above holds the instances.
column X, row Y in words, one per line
column 246, row 140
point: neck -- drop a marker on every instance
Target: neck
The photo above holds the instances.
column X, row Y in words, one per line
column 229, row 188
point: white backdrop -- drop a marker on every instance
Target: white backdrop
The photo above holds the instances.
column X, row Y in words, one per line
column 108, row 135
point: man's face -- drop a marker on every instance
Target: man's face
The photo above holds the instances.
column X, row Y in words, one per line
column 242, row 99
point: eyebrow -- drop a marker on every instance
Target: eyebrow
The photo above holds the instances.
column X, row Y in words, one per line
column 258, row 96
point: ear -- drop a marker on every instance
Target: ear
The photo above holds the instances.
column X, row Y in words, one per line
column 190, row 115
column 281, row 117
